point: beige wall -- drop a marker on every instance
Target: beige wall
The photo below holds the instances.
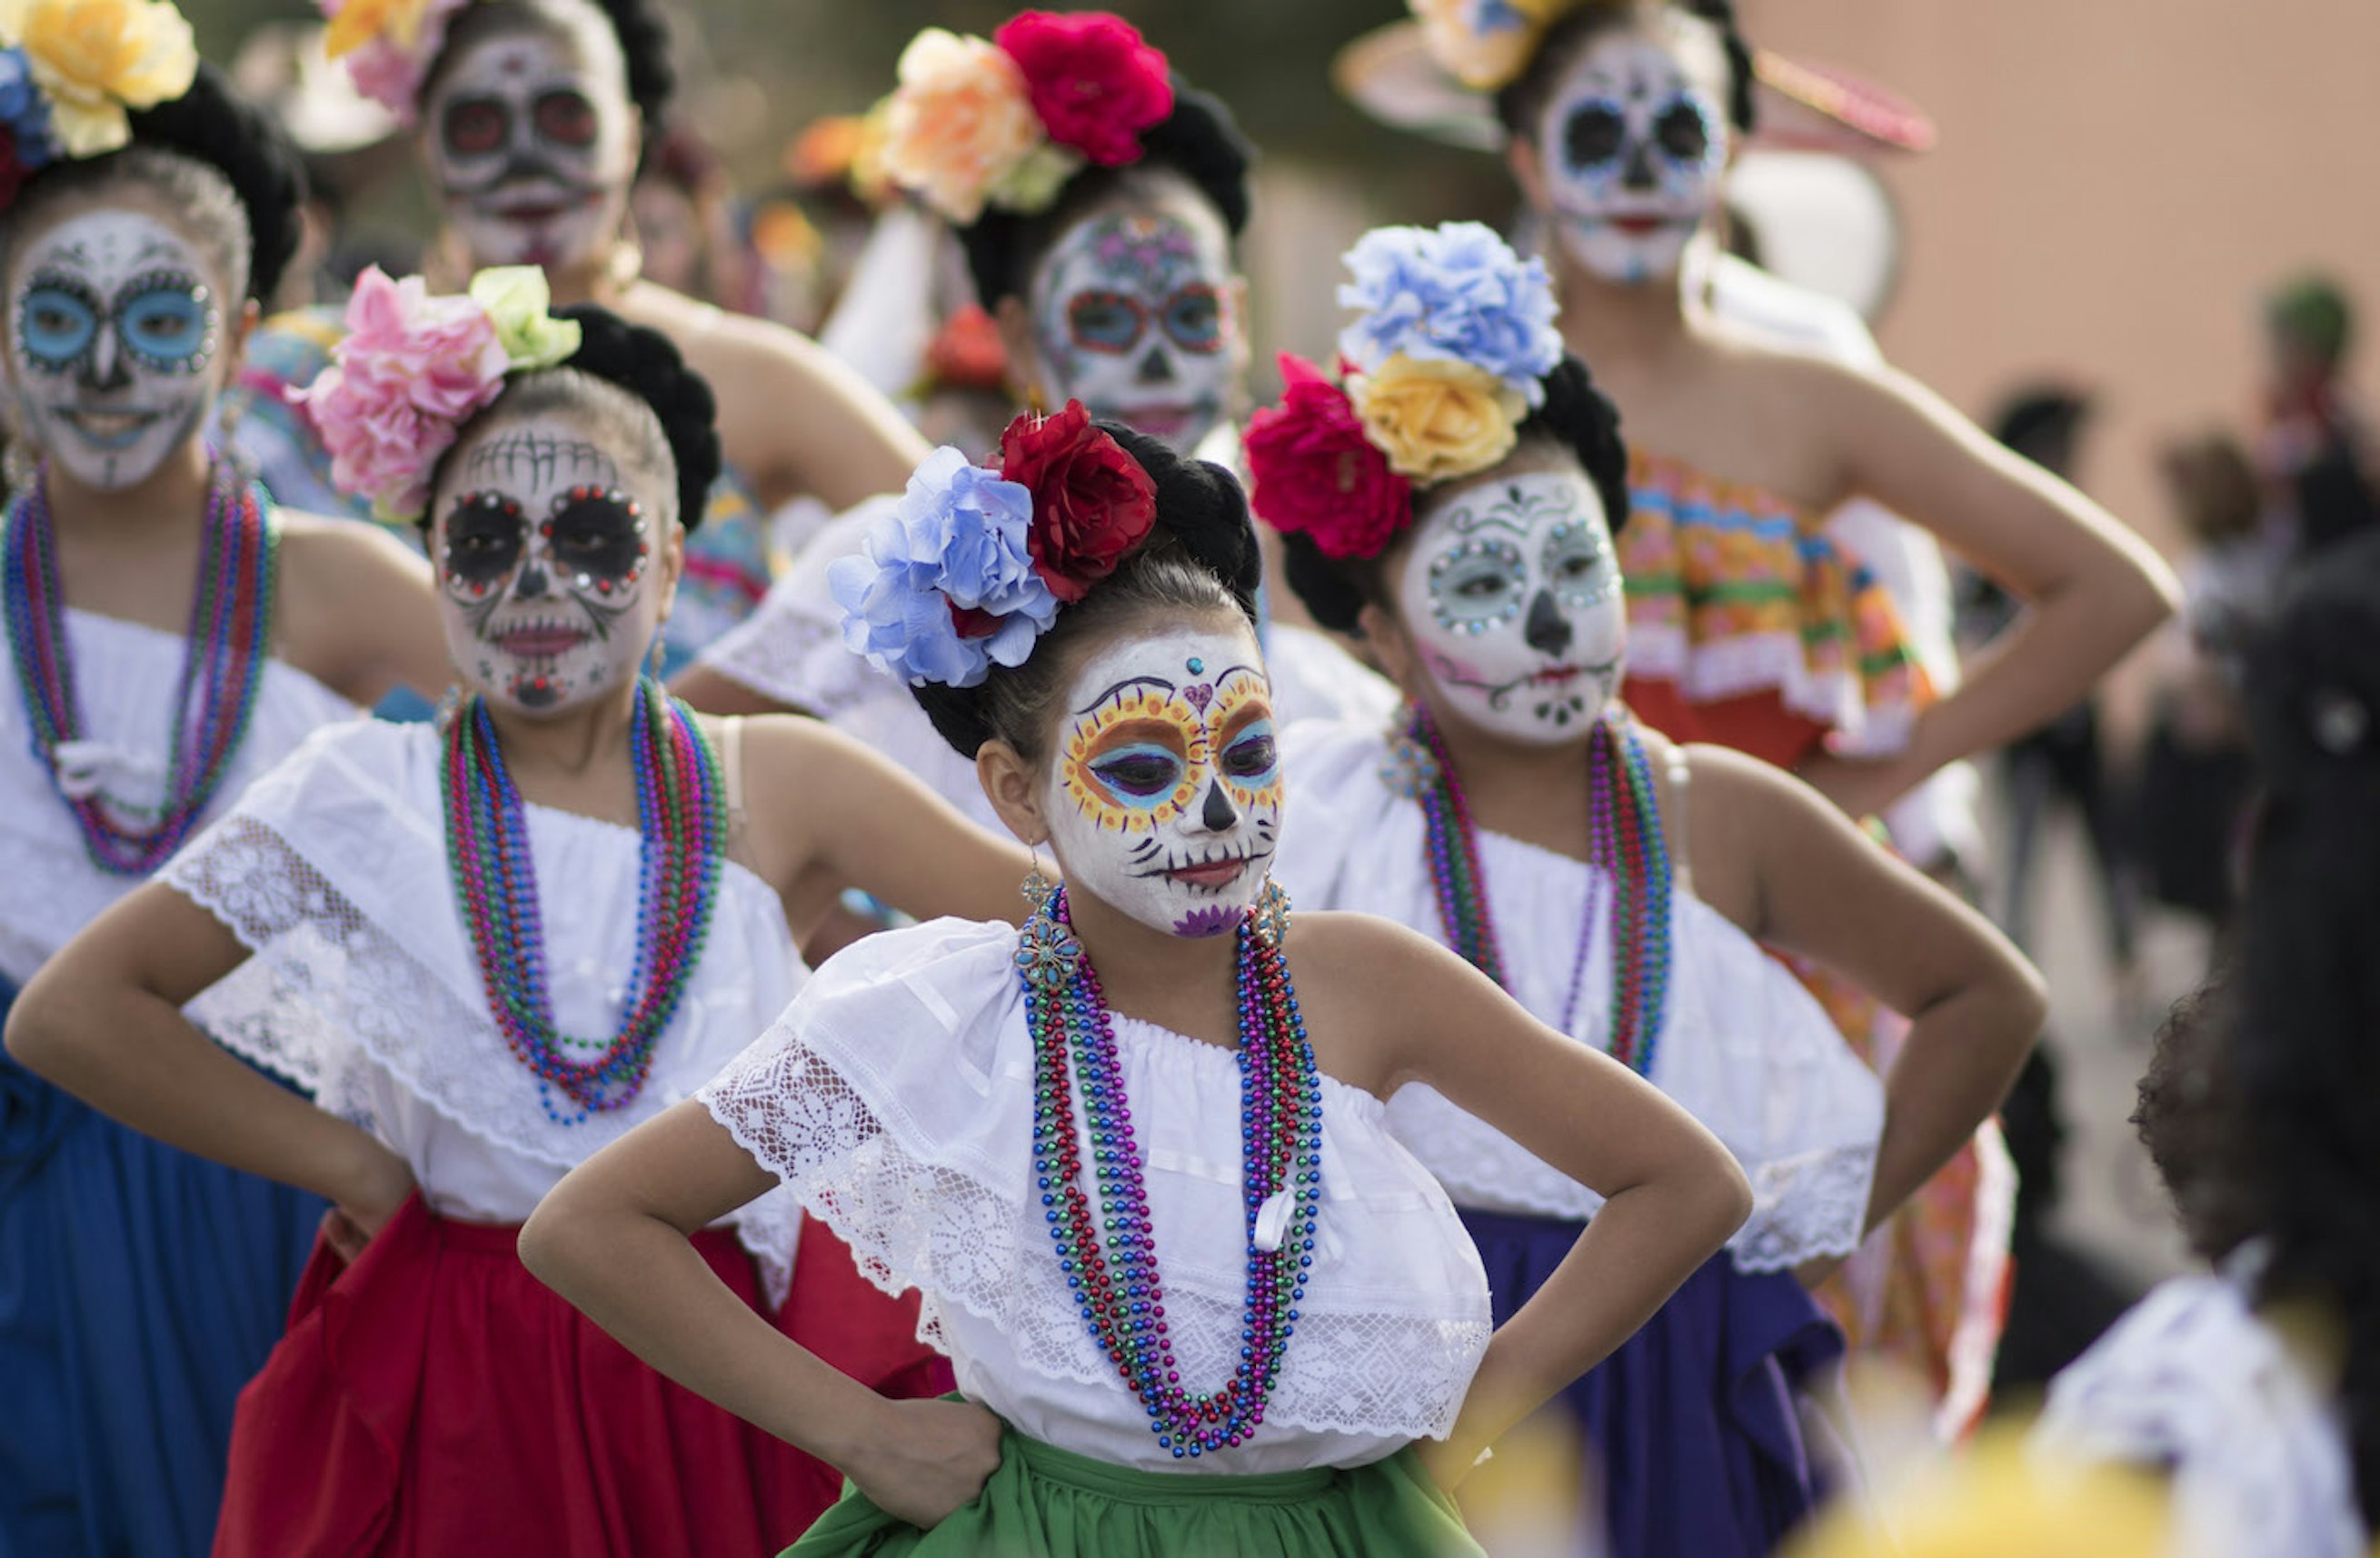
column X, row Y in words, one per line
column 2116, row 181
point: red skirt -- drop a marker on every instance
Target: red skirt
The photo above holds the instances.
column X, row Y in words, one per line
column 434, row 1399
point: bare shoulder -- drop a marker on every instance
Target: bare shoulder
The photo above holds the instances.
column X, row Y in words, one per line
column 345, row 549
column 728, row 348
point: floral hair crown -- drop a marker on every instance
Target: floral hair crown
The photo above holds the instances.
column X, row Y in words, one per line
column 970, row 568
column 72, row 70
column 413, row 367
column 1486, row 44
column 1454, row 337
column 389, row 46
column 1006, row 122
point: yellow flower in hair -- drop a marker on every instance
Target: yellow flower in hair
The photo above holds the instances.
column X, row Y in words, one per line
column 519, row 305
column 1437, row 421
column 94, row 59
column 358, row 22
column 961, row 123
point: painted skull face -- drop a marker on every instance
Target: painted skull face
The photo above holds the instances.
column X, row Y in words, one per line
column 1133, row 316
column 545, row 563
column 532, row 149
column 115, row 328
column 1633, row 149
column 1512, row 595
column 1165, row 797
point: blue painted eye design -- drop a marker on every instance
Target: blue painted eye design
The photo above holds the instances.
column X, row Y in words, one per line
column 1141, row 776
column 1194, row 317
column 56, row 322
column 1595, row 134
column 1578, row 566
column 1105, row 321
column 1251, row 761
column 165, row 321
column 1477, row 584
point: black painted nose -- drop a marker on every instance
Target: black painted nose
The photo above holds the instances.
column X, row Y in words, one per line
column 1639, row 174
column 532, row 582
column 1546, row 631
column 1157, row 368
column 1218, row 813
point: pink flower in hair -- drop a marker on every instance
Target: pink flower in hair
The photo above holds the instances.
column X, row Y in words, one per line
column 411, row 369
column 1094, row 83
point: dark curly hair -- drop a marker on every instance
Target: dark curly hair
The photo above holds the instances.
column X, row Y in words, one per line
column 1522, row 103
column 1201, row 557
column 644, row 364
column 1576, row 419
column 2304, row 1059
column 1197, row 142
column 644, row 47
column 192, row 150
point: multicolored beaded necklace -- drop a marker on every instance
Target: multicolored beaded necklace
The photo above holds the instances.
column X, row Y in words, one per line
column 223, row 664
column 1625, row 843
column 682, row 818
column 1122, row 1299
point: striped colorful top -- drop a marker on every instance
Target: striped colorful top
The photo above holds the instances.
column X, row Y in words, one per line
column 1748, row 625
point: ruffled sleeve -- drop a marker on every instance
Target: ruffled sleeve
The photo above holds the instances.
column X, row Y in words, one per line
column 1732, row 592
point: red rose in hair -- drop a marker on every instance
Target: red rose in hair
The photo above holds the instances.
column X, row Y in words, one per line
column 12, row 172
column 1311, row 469
column 1092, row 504
column 1094, row 84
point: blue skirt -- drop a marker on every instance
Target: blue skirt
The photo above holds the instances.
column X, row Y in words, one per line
column 1692, row 1427
column 140, row 1289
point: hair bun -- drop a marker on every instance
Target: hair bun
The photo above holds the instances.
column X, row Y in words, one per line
column 216, row 125
column 645, row 43
column 648, row 365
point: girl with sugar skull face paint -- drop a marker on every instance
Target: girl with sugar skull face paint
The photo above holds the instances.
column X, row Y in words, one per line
column 559, row 911
column 1078, row 618
column 171, row 635
column 1447, row 501
column 1751, row 626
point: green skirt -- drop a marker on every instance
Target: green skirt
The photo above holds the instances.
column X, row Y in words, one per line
column 1046, row 1503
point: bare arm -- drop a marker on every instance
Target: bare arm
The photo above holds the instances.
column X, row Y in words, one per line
column 821, row 430
column 613, row 1238
column 714, row 693
column 2095, row 589
column 1672, row 1193
column 358, row 610
column 1794, row 873
column 837, row 810
column 103, row 1019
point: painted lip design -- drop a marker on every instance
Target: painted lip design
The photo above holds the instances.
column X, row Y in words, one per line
column 1163, row 419
column 1211, row 874
column 1557, row 676
column 539, row 641
column 109, row 430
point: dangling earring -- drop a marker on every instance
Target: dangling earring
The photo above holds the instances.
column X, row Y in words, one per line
column 1047, row 951
column 449, row 703
column 1408, row 768
column 1268, row 920
column 655, row 655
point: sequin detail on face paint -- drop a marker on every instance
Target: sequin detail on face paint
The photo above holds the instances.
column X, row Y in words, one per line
column 1477, row 585
column 164, row 321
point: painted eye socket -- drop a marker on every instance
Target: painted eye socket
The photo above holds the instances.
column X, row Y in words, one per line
column 474, row 126
column 1577, row 565
column 484, row 535
column 1194, row 317
column 1104, row 321
column 55, row 324
column 1141, row 774
column 565, row 116
column 167, row 321
column 1477, row 584
column 1252, row 760
column 1681, row 130
column 1595, row 134
column 597, row 535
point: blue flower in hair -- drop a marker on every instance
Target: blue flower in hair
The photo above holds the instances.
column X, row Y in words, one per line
column 24, row 112
column 946, row 587
column 1454, row 293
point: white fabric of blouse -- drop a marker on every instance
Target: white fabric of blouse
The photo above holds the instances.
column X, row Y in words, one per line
column 1743, row 1046
column 127, row 676
column 363, row 986
column 895, row 1098
column 2192, row 1381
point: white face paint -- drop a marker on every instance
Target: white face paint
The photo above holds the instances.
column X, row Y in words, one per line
column 115, row 328
column 533, row 146
column 1133, row 316
column 1632, row 149
column 1164, row 799
column 1512, row 595
column 546, row 572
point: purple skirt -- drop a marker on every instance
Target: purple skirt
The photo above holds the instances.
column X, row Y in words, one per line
column 1691, row 1427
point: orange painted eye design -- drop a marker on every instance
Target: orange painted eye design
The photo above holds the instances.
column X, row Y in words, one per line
column 1239, row 733
column 1133, row 763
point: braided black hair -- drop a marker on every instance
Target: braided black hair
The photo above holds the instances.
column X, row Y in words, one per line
column 646, row 365
column 1198, row 141
column 1522, row 103
column 1576, row 418
column 1202, row 556
column 2304, row 1059
column 215, row 127
column 644, row 48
